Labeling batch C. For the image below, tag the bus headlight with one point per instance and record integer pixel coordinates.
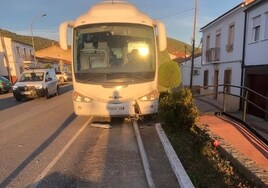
(150, 96)
(81, 98)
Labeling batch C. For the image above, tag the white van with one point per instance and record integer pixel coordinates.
(36, 83)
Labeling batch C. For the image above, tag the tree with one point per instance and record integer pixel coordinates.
(169, 75)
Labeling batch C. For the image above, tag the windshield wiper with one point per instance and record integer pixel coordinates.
(92, 77)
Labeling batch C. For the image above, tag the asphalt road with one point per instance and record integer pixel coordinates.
(44, 144)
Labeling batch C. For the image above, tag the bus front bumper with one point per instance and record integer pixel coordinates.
(122, 109)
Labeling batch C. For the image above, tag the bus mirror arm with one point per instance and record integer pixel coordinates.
(63, 30)
(162, 39)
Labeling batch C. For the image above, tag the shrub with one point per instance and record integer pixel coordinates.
(169, 75)
(178, 110)
(163, 57)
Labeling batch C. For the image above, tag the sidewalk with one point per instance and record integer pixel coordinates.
(250, 155)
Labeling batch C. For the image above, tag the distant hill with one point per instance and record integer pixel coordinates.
(41, 43)
(176, 45)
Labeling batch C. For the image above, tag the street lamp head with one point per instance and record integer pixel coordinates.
(43, 15)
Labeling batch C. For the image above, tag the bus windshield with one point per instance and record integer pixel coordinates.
(114, 53)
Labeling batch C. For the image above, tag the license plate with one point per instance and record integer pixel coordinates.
(26, 93)
(116, 108)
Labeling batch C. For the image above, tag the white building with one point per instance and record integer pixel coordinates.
(222, 53)
(256, 53)
(185, 68)
(15, 54)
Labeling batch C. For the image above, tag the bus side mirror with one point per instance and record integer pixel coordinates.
(162, 39)
(63, 32)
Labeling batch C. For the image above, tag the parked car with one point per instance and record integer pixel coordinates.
(63, 76)
(36, 83)
(5, 85)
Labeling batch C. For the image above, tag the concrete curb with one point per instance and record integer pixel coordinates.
(182, 176)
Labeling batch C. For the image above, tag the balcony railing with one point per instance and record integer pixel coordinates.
(213, 54)
(27, 58)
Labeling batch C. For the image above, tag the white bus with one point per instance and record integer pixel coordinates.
(115, 66)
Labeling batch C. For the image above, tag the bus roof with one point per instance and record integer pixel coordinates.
(113, 12)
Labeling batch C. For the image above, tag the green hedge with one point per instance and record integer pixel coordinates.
(178, 110)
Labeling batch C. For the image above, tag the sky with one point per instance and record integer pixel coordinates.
(177, 15)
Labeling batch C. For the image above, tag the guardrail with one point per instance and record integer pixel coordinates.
(244, 101)
(244, 97)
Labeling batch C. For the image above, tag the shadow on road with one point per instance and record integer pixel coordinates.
(38, 150)
(58, 179)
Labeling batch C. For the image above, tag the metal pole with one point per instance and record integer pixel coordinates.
(43, 15)
(224, 98)
(193, 47)
(245, 106)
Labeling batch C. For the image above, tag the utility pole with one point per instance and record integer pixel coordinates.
(6, 58)
(193, 44)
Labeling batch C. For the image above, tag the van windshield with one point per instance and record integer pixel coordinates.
(31, 77)
(121, 53)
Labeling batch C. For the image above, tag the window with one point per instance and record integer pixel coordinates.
(24, 50)
(208, 42)
(218, 39)
(21, 70)
(217, 46)
(231, 33)
(266, 26)
(208, 51)
(256, 28)
(18, 51)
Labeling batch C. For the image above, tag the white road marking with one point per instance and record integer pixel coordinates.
(59, 155)
(144, 157)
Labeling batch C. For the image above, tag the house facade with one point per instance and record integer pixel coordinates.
(256, 54)
(222, 54)
(14, 55)
(61, 58)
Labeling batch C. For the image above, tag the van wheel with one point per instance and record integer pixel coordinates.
(46, 94)
(18, 99)
(58, 91)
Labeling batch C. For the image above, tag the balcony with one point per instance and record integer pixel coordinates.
(27, 59)
(213, 54)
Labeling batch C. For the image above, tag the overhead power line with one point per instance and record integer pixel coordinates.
(173, 14)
